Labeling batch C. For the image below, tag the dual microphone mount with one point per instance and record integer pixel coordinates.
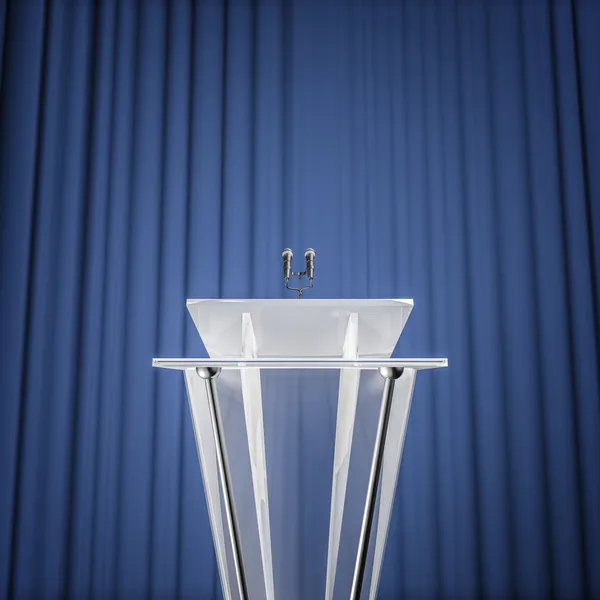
(309, 257)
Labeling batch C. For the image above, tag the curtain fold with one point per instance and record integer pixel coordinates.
(445, 151)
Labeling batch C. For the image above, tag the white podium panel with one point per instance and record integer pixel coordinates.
(300, 327)
(276, 425)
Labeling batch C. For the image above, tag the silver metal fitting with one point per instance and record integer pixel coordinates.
(208, 372)
(391, 372)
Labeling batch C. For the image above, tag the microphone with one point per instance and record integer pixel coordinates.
(309, 256)
(287, 263)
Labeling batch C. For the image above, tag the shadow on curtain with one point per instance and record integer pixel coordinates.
(442, 151)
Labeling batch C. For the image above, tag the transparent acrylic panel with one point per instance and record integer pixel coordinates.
(231, 404)
(300, 414)
(299, 327)
(253, 411)
(400, 411)
(198, 401)
(344, 430)
(363, 442)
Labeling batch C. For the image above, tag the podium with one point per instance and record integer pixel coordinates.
(300, 417)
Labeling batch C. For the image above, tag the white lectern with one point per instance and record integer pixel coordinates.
(326, 362)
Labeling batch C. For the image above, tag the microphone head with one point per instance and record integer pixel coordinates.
(309, 256)
(287, 263)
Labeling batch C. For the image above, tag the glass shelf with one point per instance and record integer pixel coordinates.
(300, 363)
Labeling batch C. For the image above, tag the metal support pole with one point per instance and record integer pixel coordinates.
(390, 374)
(209, 374)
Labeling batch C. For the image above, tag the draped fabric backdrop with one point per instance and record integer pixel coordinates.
(444, 151)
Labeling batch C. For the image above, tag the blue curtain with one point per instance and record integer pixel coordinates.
(446, 151)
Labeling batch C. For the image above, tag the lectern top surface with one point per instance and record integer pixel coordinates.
(301, 302)
(305, 363)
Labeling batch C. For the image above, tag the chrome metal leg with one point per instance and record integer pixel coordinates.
(390, 374)
(209, 374)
